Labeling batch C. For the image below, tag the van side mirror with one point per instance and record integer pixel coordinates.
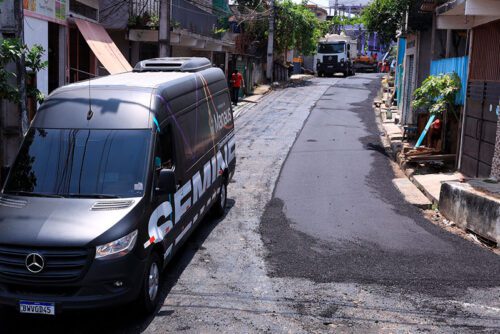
(166, 182)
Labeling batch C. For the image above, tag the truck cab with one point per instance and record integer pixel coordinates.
(335, 53)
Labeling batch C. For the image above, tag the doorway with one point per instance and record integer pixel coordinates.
(81, 59)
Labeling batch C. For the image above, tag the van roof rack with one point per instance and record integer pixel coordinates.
(173, 64)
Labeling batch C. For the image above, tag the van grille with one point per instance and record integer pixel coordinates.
(111, 205)
(12, 202)
(61, 264)
(43, 291)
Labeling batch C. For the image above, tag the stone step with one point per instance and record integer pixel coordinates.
(411, 193)
(430, 184)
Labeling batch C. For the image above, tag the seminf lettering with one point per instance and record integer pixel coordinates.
(190, 193)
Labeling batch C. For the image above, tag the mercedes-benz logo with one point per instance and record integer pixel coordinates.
(34, 263)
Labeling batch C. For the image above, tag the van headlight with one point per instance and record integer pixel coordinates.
(117, 248)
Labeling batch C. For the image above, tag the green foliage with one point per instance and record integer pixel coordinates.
(297, 28)
(437, 93)
(342, 21)
(386, 17)
(11, 50)
(249, 3)
(154, 22)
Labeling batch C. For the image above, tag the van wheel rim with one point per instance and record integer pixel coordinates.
(153, 281)
(223, 197)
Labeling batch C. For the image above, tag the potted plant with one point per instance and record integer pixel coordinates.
(437, 95)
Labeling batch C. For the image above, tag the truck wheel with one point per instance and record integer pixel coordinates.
(219, 207)
(150, 291)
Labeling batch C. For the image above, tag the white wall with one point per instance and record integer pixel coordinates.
(37, 32)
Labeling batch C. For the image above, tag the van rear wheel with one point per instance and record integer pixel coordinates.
(219, 207)
(150, 291)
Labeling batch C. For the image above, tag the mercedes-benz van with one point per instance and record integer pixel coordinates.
(111, 178)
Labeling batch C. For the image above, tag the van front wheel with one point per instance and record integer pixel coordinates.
(219, 207)
(150, 291)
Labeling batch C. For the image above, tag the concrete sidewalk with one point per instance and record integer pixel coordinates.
(474, 205)
(430, 184)
(258, 93)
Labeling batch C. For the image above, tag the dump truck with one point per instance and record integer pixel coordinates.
(335, 54)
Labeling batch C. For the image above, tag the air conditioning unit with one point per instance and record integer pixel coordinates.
(172, 64)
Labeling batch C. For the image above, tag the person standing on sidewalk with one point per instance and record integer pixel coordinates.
(236, 84)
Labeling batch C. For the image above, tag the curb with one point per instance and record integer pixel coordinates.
(247, 105)
(388, 143)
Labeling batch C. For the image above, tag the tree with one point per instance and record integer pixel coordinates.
(337, 23)
(386, 17)
(437, 93)
(12, 51)
(297, 28)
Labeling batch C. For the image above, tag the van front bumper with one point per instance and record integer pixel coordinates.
(106, 283)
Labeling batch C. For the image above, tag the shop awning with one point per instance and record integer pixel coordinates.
(103, 47)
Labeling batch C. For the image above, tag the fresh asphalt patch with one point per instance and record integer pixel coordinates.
(336, 217)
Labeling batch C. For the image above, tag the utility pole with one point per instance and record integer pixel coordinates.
(335, 13)
(270, 45)
(21, 68)
(165, 50)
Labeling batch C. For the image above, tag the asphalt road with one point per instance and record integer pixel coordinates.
(336, 217)
(315, 239)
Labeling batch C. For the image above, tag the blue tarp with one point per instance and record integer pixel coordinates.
(399, 69)
(450, 65)
(401, 50)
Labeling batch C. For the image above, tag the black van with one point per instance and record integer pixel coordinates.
(110, 180)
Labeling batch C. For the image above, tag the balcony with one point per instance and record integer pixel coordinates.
(144, 14)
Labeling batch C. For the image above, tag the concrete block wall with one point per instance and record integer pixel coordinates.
(495, 167)
(471, 210)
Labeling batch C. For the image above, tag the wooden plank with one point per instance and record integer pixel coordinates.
(432, 157)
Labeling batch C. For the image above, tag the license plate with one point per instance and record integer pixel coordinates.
(331, 66)
(37, 308)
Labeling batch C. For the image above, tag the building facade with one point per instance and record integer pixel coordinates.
(197, 29)
(461, 39)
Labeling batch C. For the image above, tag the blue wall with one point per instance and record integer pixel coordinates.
(450, 65)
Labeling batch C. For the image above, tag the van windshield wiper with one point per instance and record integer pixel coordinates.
(32, 194)
(77, 195)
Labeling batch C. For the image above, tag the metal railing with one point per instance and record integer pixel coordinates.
(185, 15)
(140, 7)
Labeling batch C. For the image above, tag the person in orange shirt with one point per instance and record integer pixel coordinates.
(236, 83)
(434, 135)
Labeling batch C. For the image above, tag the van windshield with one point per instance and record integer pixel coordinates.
(331, 48)
(81, 163)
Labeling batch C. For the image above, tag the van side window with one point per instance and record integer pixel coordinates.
(187, 130)
(166, 148)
